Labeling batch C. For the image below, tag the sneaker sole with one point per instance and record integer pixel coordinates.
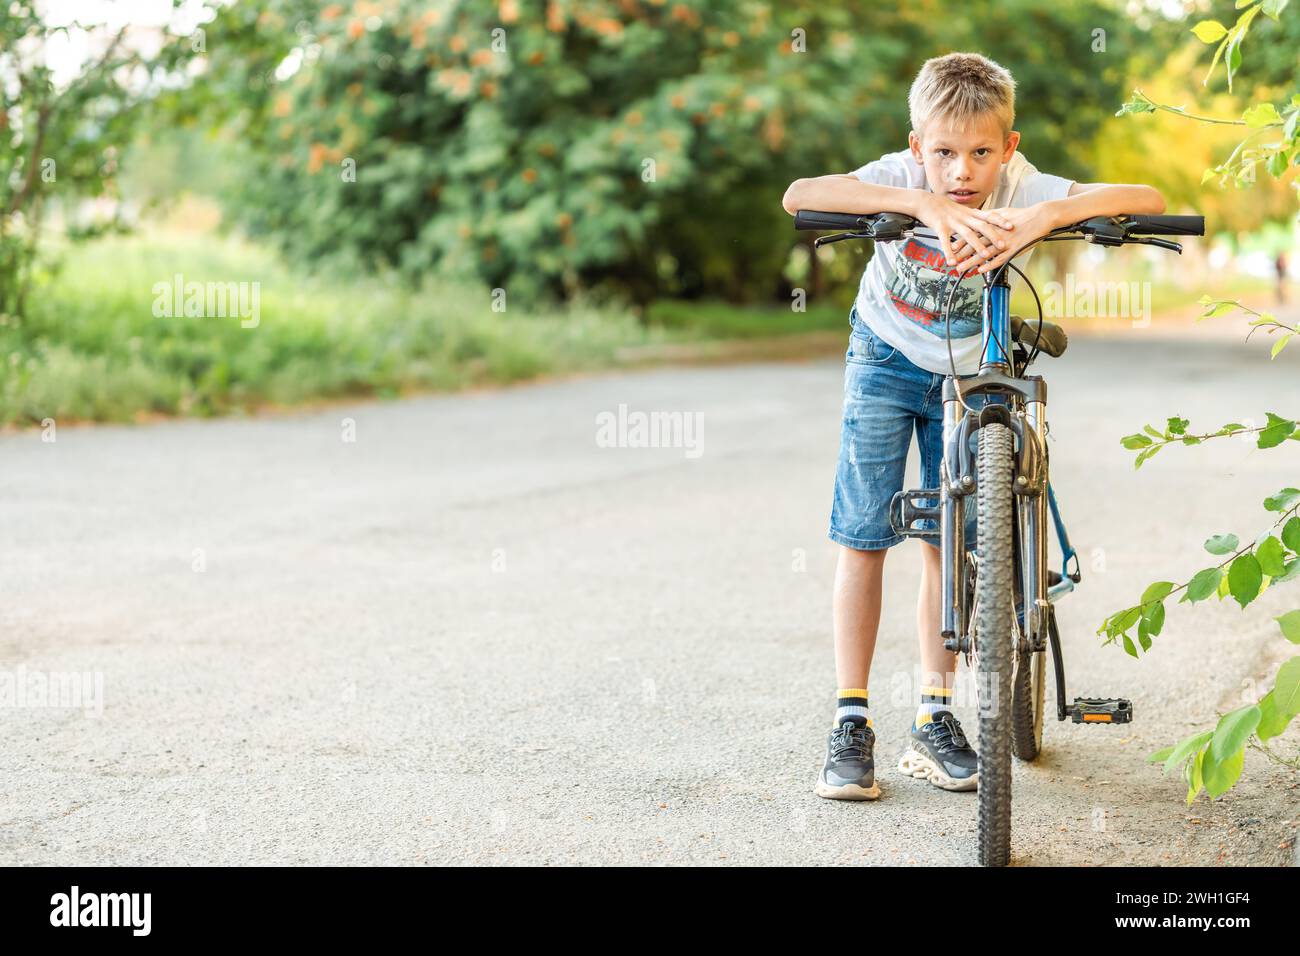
(849, 791)
(916, 764)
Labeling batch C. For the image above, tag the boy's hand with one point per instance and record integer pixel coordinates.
(980, 233)
(1025, 225)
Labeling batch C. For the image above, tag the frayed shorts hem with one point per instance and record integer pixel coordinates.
(863, 544)
(878, 544)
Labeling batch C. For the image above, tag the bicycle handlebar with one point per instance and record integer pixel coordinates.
(1164, 225)
(1104, 230)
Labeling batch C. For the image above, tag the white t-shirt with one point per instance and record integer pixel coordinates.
(905, 284)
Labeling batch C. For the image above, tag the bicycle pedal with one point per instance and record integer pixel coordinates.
(904, 510)
(1101, 710)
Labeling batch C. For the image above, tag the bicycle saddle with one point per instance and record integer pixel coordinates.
(1052, 342)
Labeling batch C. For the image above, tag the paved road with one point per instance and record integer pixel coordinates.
(473, 635)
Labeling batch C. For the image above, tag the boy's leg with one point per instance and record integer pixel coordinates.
(849, 770)
(855, 608)
(882, 394)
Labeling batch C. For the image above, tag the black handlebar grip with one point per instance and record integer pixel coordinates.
(811, 219)
(1166, 225)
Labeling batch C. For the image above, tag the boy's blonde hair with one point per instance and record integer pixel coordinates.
(960, 87)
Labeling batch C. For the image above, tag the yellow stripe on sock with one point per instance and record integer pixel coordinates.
(851, 692)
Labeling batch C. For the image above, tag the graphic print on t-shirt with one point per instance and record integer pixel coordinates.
(921, 285)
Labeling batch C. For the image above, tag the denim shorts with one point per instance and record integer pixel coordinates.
(886, 399)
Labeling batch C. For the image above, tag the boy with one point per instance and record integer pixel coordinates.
(962, 177)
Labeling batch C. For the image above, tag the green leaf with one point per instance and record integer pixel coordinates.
(1125, 619)
(1222, 544)
(1154, 618)
(1129, 649)
(1286, 689)
(1271, 720)
(1137, 103)
(1219, 310)
(1160, 755)
(1261, 115)
(1158, 436)
(1144, 454)
(1177, 426)
(1277, 431)
(1272, 8)
(1283, 500)
(1185, 748)
(1290, 624)
(1135, 441)
(1202, 585)
(1220, 775)
(1233, 59)
(1232, 731)
(1280, 344)
(1271, 557)
(1244, 578)
(1291, 533)
(1210, 31)
(1222, 590)
(1157, 591)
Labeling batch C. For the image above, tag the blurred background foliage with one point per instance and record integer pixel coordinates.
(617, 157)
(625, 146)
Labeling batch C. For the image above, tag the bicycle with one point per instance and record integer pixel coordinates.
(998, 453)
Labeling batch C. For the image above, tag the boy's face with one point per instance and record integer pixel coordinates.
(963, 165)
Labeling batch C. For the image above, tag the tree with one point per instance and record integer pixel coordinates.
(61, 129)
(631, 147)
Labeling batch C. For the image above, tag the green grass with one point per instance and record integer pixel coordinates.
(722, 320)
(91, 347)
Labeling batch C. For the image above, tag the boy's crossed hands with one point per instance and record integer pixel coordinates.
(989, 237)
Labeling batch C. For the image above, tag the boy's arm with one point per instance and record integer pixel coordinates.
(1087, 200)
(847, 193)
(1084, 201)
(974, 228)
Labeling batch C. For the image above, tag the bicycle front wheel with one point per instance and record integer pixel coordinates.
(994, 629)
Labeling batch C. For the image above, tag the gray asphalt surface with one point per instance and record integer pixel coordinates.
(472, 635)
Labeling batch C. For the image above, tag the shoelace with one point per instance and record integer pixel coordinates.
(947, 734)
(852, 741)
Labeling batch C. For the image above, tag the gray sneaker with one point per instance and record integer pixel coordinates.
(940, 753)
(850, 769)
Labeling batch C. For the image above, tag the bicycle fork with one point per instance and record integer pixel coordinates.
(958, 481)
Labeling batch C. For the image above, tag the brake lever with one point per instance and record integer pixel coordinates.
(1162, 243)
(840, 237)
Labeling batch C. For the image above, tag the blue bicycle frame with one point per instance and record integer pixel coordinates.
(1019, 403)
